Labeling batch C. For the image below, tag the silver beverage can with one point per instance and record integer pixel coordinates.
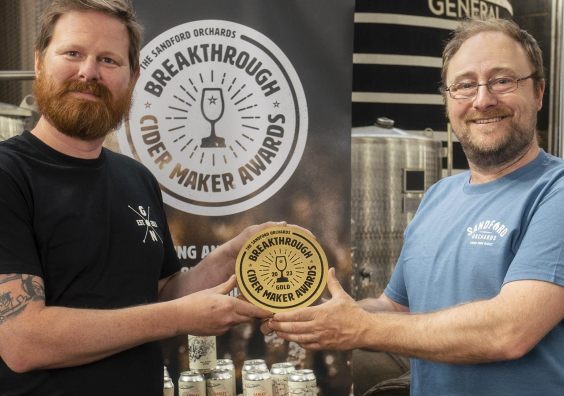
(218, 383)
(168, 387)
(252, 364)
(279, 373)
(202, 355)
(191, 383)
(302, 383)
(257, 383)
(227, 364)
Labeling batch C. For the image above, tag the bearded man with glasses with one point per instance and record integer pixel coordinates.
(477, 297)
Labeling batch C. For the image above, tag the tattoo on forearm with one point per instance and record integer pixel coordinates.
(16, 291)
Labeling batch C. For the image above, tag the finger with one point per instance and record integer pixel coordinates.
(313, 346)
(265, 327)
(297, 315)
(299, 338)
(334, 285)
(225, 287)
(293, 327)
(249, 310)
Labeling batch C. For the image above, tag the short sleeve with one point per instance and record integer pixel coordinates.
(396, 289)
(171, 263)
(18, 248)
(540, 255)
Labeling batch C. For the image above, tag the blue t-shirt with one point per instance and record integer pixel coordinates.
(465, 242)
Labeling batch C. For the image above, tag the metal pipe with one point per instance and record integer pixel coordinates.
(556, 81)
(449, 150)
(6, 75)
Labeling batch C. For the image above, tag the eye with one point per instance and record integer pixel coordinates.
(465, 85)
(72, 54)
(502, 81)
(108, 61)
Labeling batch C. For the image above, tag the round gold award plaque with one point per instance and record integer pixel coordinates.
(281, 268)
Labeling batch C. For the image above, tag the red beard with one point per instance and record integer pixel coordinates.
(81, 118)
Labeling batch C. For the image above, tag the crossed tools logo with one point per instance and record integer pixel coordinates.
(144, 220)
(219, 116)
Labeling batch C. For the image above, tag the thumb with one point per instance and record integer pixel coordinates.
(225, 287)
(333, 284)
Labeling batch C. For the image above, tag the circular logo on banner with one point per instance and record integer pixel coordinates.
(281, 268)
(219, 117)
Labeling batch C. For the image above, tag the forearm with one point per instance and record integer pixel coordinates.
(214, 269)
(203, 276)
(381, 304)
(473, 333)
(52, 337)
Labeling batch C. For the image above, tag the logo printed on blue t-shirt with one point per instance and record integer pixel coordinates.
(486, 232)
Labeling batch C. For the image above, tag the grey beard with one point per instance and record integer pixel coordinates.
(508, 151)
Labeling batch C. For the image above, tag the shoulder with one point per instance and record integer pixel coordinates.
(122, 161)
(549, 174)
(124, 166)
(446, 186)
(552, 166)
(15, 153)
(13, 147)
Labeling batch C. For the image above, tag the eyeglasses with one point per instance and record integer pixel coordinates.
(469, 89)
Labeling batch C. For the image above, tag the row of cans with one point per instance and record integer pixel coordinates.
(282, 380)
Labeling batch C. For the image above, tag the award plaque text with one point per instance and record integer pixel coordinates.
(281, 268)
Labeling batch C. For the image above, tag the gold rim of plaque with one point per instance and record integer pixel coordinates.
(281, 268)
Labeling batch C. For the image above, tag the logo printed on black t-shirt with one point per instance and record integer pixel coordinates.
(145, 221)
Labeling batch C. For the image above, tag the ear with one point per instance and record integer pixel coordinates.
(135, 75)
(540, 93)
(38, 63)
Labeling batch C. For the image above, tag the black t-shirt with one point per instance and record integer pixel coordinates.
(95, 231)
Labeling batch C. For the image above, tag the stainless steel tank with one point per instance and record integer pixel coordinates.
(390, 169)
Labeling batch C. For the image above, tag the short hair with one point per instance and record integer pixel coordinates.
(120, 9)
(471, 27)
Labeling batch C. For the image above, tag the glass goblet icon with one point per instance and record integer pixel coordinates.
(281, 265)
(212, 106)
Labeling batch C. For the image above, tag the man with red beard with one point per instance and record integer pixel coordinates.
(477, 296)
(85, 250)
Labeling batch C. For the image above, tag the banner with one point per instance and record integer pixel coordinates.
(242, 112)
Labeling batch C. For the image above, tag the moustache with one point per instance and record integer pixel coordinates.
(89, 87)
(493, 113)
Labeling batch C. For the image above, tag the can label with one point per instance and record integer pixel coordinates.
(258, 388)
(193, 389)
(227, 364)
(302, 388)
(279, 384)
(279, 373)
(219, 388)
(202, 353)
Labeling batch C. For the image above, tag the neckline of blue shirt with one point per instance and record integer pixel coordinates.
(509, 178)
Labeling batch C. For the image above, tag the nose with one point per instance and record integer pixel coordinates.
(89, 70)
(484, 98)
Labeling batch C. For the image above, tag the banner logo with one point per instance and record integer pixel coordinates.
(219, 117)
